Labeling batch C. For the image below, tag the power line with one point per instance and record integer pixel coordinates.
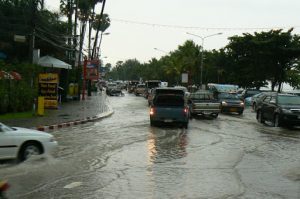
(54, 44)
(155, 25)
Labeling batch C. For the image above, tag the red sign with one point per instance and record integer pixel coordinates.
(92, 72)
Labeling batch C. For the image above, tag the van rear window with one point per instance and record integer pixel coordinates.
(169, 100)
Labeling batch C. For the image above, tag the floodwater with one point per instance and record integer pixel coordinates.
(123, 157)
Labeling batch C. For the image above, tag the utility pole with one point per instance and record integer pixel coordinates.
(34, 4)
(98, 27)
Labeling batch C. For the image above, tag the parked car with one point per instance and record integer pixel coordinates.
(249, 93)
(280, 109)
(21, 143)
(203, 103)
(256, 99)
(140, 89)
(169, 108)
(230, 102)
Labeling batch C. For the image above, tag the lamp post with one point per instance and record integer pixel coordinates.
(160, 50)
(202, 49)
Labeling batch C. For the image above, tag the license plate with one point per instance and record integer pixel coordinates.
(168, 121)
(232, 109)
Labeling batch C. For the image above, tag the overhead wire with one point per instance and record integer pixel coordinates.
(53, 43)
(200, 28)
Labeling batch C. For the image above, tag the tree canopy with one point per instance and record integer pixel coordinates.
(249, 60)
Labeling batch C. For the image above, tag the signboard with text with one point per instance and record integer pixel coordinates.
(48, 88)
(92, 70)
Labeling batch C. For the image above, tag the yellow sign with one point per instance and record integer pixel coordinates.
(48, 88)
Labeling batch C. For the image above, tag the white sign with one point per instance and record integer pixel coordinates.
(184, 78)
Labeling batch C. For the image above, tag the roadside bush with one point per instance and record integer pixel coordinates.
(4, 102)
(18, 95)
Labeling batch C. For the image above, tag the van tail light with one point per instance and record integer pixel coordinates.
(185, 111)
(152, 111)
(3, 186)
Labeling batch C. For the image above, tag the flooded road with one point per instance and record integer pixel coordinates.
(123, 157)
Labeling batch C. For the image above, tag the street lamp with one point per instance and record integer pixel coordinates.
(98, 49)
(202, 49)
(160, 50)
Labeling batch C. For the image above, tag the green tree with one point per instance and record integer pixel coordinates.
(263, 56)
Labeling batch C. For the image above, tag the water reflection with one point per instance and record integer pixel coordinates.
(166, 144)
(267, 129)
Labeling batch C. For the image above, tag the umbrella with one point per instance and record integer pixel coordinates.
(48, 61)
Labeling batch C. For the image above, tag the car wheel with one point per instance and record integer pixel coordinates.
(29, 149)
(151, 123)
(215, 115)
(276, 121)
(260, 117)
(186, 125)
(240, 112)
(254, 106)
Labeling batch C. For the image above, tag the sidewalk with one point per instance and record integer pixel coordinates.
(68, 113)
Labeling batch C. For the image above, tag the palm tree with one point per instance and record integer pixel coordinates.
(98, 27)
(105, 23)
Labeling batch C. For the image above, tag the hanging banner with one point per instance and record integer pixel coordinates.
(48, 88)
(92, 70)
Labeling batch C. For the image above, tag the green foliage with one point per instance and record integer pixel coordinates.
(250, 61)
(105, 22)
(263, 56)
(18, 95)
(20, 18)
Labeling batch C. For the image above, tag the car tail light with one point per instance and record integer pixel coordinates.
(185, 111)
(4, 186)
(152, 111)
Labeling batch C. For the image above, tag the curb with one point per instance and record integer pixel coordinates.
(76, 122)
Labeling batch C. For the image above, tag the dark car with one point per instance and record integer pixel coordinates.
(280, 109)
(256, 100)
(169, 108)
(231, 103)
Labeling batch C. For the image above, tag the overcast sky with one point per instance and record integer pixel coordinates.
(231, 17)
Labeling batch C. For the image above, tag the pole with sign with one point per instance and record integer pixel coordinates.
(84, 78)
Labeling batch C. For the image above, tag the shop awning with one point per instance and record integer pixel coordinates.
(48, 61)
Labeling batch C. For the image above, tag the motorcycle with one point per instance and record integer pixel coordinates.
(3, 188)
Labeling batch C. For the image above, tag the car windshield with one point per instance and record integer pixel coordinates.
(169, 100)
(170, 91)
(5, 128)
(289, 99)
(227, 96)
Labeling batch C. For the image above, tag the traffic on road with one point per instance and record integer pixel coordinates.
(123, 156)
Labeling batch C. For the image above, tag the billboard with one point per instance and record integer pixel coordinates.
(92, 70)
(48, 88)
